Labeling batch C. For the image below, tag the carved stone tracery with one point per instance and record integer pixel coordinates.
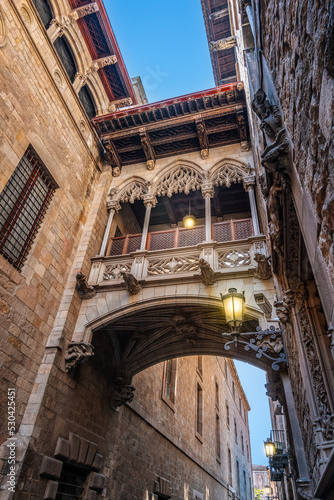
(180, 179)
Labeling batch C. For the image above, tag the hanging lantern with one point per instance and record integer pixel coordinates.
(269, 448)
(234, 308)
(189, 220)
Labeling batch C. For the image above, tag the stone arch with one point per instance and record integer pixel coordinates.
(228, 171)
(186, 326)
(97, 91)
(179, 176)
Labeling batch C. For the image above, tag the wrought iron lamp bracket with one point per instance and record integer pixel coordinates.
(272, 337)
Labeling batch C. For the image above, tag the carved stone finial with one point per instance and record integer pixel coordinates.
(207, 274)
(132, 284)
(85, 291)
(76, 353)
(263, 270)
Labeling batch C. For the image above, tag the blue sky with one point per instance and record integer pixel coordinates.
(165, 44)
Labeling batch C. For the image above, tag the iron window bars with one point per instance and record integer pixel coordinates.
(23, 204)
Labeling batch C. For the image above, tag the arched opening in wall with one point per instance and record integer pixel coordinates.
(66, 56)
(227, 219)
(87, 101)
(186, 411)
(44, 10)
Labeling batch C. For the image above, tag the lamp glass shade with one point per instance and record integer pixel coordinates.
(234, 307)
(189, 221)
(269, 448)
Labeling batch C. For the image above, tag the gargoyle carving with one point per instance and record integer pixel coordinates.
(85, 291)
(274, 390)
(132, 284)
(283, 307)
(263, 270)
(123, 394)
(76, 353)
(207, 274)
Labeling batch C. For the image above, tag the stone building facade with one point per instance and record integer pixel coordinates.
(101, 277)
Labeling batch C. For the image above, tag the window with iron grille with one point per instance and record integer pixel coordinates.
(71, 482)
(23, 204)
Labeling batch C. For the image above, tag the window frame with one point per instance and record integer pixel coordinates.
(20, 219)
(169, 400)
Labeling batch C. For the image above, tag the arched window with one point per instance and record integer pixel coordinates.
(65, 54)
(44, 11)
(87, 101)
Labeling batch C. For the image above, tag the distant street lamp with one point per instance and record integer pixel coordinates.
(269, 447)
(267, 490)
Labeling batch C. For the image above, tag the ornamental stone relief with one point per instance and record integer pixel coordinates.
(229, 174)
(173, 265)
(181, 178)
(114, 271)
(234, 258)
(178, 180)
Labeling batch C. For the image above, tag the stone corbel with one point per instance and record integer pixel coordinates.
(85, 291)
(219, 15)
(149, 199)
(263, 304)
(80, 12)
(223, 44)
(123, 392)
(207, 274)
(274, 390)
(102, 62)
(148, 148)
(114, 159)
(202, 138)
(76, 353)
(57, 27)
(120, 103)
(242, 129)
(132, 284)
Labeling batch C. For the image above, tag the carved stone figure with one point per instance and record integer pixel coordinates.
(187, 330)
(263, 270)
(85, 291)
(116, 172)
(132, 284)
(207, 274)
(77, 352)
(274, 390)
(123, 394)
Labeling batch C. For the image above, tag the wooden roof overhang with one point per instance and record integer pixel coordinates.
(193, 122)
(218, 27)
(101, 42)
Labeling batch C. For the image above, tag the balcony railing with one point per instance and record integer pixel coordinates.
(232, 230)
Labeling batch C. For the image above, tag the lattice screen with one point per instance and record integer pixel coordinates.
(161, 241)
(134, 243)
(243, 229)
(190, 237)
(117, 246)
(222, 232)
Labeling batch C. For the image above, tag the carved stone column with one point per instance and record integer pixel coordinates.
(249, 185)
(208, 193)
(113, 206)
(149, 202)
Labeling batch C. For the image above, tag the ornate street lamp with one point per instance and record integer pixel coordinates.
(269, 448)
(234, 304)
(234, 309)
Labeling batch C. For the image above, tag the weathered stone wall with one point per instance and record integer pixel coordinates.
(146, 439)
(301, 64)
(35, 111)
